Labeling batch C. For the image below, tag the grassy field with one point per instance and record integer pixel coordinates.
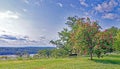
(108, 62)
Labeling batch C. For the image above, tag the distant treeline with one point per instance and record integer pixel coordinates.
(14, 50)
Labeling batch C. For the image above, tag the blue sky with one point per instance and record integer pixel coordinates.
(36, 22)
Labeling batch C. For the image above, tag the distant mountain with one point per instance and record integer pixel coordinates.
(14, 50)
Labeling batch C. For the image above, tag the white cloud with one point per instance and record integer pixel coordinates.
(38, 2)
(118, 9)
(34, 2)
(10, 39)
(86, 13)
(9, 22)
(106, 6)
(118, 0)
(73, 6)
(9, 15)
(110, 16)
(26, 1)
(82, 2)
(25, 10)
(60, 4)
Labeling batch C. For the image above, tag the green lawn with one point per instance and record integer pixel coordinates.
(108, 62)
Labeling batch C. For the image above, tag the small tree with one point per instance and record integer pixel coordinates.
(117, 42)
(104, 42)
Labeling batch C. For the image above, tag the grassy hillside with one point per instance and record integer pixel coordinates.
(109, 62)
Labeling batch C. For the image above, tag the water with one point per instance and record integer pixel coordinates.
(16, 55)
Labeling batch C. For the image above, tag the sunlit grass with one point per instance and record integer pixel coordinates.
(108, 62)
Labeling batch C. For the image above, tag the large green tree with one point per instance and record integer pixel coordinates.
(79, 37)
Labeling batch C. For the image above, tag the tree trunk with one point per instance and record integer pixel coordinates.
(91, 56)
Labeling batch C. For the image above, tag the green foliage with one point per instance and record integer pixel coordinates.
(117, 42)
(113, 31)
(59, 53)
(44, 53)
(104, 42)
(90, 29)
(98, 52)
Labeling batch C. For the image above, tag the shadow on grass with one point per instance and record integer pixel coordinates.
(107, 61)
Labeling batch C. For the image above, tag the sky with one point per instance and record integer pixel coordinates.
(36, 22)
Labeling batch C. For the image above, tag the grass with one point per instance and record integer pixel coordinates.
(108, 62)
